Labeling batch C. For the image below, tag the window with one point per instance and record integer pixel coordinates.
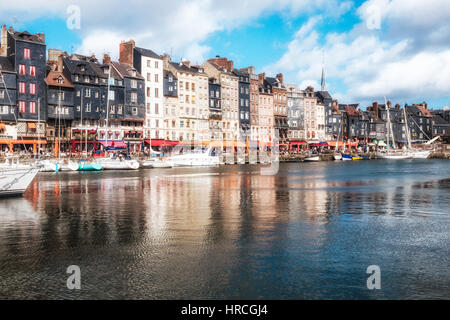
(148, 92)
(119, 109)
(112, 95)
(134, 97)
(156, 93)
(27, 53)
(193, 87)
(22, 69)
(187, 85)
(156, 64)
(33, 88)
(156, 108)
(2, 94)
(4, 109)
(22, 87)
(149, 77)
(32, 107)
(88, 107)
(148, 64)
(87, 93)
(156, 78)
(112, 109)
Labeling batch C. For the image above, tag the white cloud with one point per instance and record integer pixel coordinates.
(176, 26)
(370, 63)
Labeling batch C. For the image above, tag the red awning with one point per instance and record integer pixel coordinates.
(115, 144)
(298, 142)
(155, 142)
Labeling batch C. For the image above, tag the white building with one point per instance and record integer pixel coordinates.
(150, 66)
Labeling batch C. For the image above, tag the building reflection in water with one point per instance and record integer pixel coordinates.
(226, 225)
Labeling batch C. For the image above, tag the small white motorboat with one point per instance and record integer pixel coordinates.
(312, 159)
(157, 163)
(119, 164)
(195, 159)
(337, 156)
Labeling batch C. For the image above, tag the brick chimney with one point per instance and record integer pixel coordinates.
(126, 52)
(166, 60)
(223, 62)
(60, 67)
(280, 77)
(4, 41)
(261, 78)
(375, 108)
(41, 36)
(187, 63)
(106, 59)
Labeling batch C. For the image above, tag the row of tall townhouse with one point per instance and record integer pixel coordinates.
(61, 103)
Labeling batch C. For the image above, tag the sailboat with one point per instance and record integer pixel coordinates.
(415, 153)
(394, 154)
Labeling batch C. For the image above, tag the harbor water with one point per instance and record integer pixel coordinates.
(308, 232)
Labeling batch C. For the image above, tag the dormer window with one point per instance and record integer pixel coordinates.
(59, 80)
(82, 68)
(133, 73)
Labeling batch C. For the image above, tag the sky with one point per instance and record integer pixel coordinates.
(398, 49)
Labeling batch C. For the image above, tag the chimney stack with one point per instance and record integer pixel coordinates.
(375, 108)
(60, 63)
(41, 36)
(126, 52)
(187, 63)
(280, 77)
(4, 41)
(261, 78)
(166, 60)
(106, 59)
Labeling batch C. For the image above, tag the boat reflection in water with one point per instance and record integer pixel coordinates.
(310, 231)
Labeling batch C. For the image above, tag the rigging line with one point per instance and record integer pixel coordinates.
(418, 125)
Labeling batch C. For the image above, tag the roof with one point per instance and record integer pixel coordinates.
(323, 94)
(26, 36)
(76, 67)
(220, 68)
(418, 111)
(351, 110)
(125, 70)
(168, 73)
(5, 65)
(439, 120)
(52, 80)
(148, 53)
(181, 67)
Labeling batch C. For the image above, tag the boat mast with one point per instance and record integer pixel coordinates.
(107, 105)
(59, 124)
(39, 128)
(407, 128)
(82, 107)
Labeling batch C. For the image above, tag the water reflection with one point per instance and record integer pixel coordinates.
(223, 233)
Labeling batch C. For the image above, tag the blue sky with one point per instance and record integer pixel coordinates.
(405, 57)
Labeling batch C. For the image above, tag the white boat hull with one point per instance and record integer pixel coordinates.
(110, 164)
(394, 156)
(420, 154)
(15, 180)
(338, 157)
(312, 159)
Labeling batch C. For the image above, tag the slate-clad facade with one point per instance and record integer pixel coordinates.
(244, 101)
